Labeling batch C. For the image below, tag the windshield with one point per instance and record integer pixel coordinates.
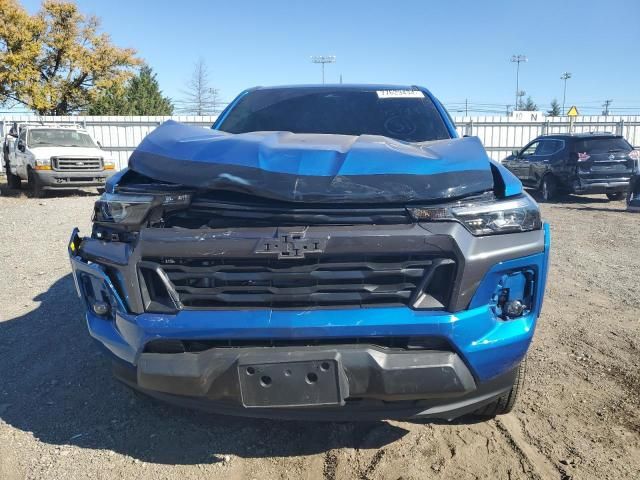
(59, 138)
(406, 115)
(603, 145)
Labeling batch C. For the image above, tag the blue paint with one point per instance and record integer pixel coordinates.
(310, 154)
(512, 184)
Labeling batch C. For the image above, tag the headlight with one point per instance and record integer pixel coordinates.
(520, 214)
(42, 164)
(131, 209)
(122, 209)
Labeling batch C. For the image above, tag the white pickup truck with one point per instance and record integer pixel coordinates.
(54, 157)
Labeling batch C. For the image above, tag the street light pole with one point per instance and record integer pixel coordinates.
(565, 76)
(518, 59)
(322, 60)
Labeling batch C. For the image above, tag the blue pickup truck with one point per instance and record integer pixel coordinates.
(323, 252)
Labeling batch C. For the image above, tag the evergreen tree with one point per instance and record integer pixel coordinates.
(529, 105)
(141, 95)
(555, 109)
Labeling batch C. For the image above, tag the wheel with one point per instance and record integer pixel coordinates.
(35, 184)
(13, 181)
(615, 196)
(505, 403)
(548, 188)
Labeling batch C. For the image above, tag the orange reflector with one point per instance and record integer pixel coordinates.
(42, 167)
(109, 167)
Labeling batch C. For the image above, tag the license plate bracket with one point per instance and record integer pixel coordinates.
(290, 384)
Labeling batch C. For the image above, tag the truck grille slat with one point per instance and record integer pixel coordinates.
(76, 163)
(260, 281)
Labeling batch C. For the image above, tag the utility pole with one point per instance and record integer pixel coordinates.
(518, 59)
(565, 76)
(322, 60)
(508, 111)
(519, 96)
(606, 107)
(466, 107)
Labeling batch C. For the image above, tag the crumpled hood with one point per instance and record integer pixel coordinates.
(314, 168)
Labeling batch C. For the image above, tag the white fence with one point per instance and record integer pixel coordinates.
(500, 135)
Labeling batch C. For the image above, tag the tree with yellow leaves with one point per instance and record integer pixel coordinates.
(56, 62)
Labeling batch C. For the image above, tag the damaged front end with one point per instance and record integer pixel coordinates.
(409, 287)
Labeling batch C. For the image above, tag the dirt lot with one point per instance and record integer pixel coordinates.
(63, 417)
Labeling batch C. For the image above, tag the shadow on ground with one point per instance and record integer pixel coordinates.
(57, 385)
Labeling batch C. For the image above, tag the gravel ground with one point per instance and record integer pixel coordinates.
(62, 416)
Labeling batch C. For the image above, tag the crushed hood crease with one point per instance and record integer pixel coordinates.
(314, 168)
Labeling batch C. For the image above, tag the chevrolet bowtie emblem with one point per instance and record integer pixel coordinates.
(291, 245)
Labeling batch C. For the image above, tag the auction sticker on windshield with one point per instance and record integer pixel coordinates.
(400, 94)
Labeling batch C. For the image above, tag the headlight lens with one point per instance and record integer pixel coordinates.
(520, 214)
(122, 209)
(42, 164)
(132, 209)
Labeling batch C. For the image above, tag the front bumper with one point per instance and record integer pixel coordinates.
(60, 180)
(477, 365)
(601, 185)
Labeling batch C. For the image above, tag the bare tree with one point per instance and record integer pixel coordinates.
(199, 98)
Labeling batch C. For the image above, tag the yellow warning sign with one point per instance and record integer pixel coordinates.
(573, 112)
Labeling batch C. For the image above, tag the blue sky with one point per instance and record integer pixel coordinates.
(457, 49)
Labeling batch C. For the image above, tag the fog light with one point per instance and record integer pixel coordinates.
(100, 308)
(514, 308)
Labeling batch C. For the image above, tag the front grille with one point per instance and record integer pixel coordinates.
(76, 164)
(323, 281)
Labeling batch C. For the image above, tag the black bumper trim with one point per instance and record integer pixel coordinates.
(444, 405)
(370, 372)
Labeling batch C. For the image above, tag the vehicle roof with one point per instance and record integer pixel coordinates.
(564, 136)
(372, 87)
(32, 126)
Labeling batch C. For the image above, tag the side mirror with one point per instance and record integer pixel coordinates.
(21, 145)
(515, 153)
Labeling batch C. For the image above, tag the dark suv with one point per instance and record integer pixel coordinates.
(575, 163)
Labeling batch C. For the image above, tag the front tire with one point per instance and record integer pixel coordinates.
(13, 181)
(505, 404)
(615, 196)
(35, 185)
(548, 188)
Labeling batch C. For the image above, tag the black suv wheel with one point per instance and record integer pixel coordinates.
(506, 403)
(615, 196)
(548, 188)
